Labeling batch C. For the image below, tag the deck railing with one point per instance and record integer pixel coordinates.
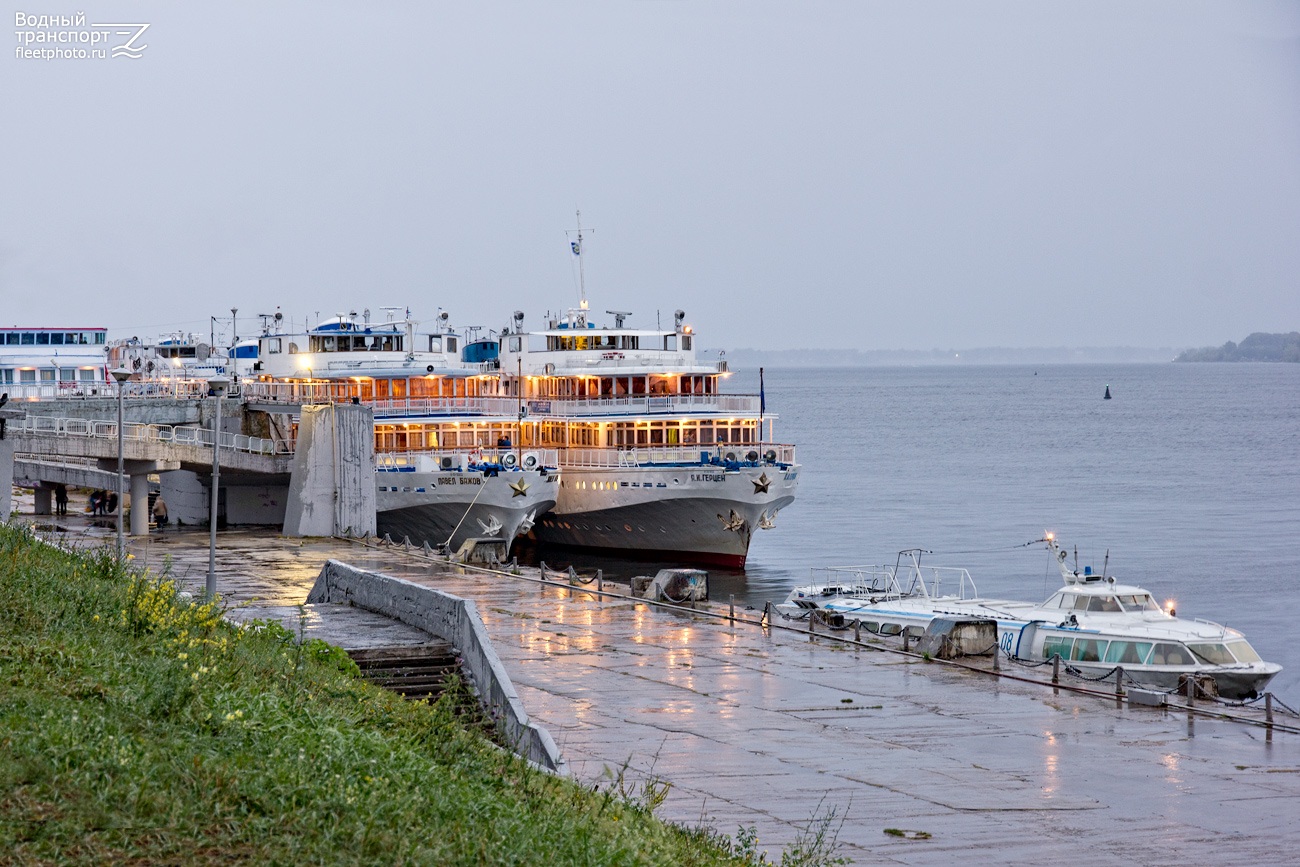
(762, 453)
(344, 391)
(515, 457)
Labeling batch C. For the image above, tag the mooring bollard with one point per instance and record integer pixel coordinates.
(812, 622)
(1268, 709)
(1056, 668)
(731, 608)
(1119, 685)
(1191, 690)
(600, 580)
(767, 614)
(997, 661)
(857, 630)
(907, 640)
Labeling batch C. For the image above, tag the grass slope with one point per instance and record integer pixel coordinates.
(136, 729)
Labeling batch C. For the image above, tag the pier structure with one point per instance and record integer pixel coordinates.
(319, 482)
(913, 761)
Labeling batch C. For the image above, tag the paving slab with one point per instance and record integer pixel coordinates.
(771, 729)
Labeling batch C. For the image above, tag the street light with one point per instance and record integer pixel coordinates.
(121, 375)
(217, 386)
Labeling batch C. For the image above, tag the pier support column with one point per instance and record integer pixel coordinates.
(332, 488)
(44, 498)
(140, 505)
(7, 416)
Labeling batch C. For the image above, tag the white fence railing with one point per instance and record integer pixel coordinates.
(734, 453)
(160, 388)
(344, 391)
(190, 436)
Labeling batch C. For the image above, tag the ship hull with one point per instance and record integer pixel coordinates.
(446, 508)
(690, 514)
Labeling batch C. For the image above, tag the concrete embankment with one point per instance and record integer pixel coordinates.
(768, 728)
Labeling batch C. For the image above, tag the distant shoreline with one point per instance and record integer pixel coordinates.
(894, 358)
(1259, 346)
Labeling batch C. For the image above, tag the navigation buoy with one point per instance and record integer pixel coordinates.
(1107, 397)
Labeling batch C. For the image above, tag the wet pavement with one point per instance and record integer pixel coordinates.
(771, 729)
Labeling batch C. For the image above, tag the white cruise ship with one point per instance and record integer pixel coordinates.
(447, 468)
(655, 459)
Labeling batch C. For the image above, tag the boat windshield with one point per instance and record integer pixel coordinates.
(1243, 651)
(1107, 604)
(1139, 602)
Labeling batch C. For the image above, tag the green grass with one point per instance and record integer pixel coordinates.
(137, 729)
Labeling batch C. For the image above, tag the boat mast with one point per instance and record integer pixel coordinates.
(576, 246)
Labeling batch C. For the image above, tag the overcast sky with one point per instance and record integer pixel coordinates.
(794, 174)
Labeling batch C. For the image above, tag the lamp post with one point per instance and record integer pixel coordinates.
(217, 386)
(120, 375)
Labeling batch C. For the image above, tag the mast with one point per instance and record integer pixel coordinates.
(576, 246)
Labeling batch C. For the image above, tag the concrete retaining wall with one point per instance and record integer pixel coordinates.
(451, 619)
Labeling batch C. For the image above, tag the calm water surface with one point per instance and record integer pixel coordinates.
(1189, 476)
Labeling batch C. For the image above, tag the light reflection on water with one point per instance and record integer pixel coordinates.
(1189, 477)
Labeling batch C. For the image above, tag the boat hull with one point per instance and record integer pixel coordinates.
(691, 514)
(447, 507)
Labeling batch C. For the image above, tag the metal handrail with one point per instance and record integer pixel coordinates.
(193, 436)
(397, 460)
(781, 454)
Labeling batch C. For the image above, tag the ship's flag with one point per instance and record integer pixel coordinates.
(762, 398)
(577, 250)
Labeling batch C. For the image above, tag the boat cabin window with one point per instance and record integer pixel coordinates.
(1214, 654)
(435, 344)
(1170, 654)
(1060, 600)
(1244, 652)
(273, 346)
(1128, 652)
(1088, 650)
(1057, 644)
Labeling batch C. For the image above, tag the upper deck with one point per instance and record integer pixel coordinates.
(574, 346)
(347, 347)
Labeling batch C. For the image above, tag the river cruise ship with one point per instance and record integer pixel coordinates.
(447, 468)
(656, 460)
